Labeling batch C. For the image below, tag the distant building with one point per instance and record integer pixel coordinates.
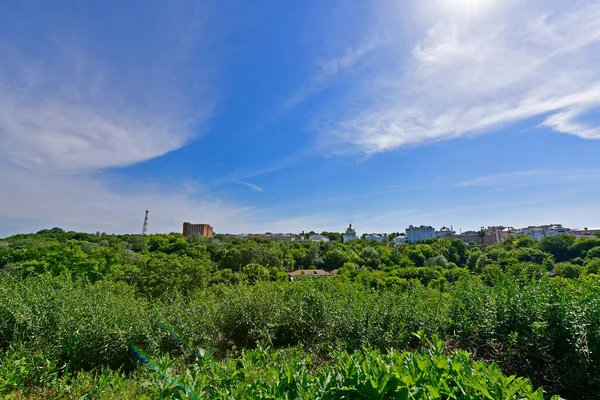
(444, 232)
(374, 238)
(308, 273)
(499, 233)
(585, 232)
(197, 229)
(418, 233)
(539, 232)
(474, 237)
(349, 235)
(493, 234)
(400, 239)
(286, 237)
(318, 238)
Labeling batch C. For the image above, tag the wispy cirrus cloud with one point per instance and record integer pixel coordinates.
(71, 107)
(531, 178)
(67, 104)
(251, 186)
(330, 67)
(473, 68)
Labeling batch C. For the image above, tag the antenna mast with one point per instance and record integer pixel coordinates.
(145, 227)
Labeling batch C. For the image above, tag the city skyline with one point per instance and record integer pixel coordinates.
(299, 116)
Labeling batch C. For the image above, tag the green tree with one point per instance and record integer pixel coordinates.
(593, 252)
(482, 234)
(559, 246)
(335, 259)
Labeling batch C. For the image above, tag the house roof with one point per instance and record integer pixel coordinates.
(309, 272)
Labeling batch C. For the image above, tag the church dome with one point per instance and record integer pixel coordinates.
(350, 229)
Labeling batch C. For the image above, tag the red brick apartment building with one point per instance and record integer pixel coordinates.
(197, 229)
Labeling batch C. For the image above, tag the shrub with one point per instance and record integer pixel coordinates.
(568, 270)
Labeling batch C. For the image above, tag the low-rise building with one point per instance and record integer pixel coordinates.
(318, 238)
(374, 238)
(499, 233)
(287, 237)
(400, 239)
(475, 237)
(308, 273)
(444, 232)
(489, 235)
(585, 231)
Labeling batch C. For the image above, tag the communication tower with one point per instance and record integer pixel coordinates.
(145, 227)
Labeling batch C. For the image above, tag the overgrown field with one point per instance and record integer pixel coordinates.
(397, 324)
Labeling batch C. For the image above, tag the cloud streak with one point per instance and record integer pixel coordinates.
(251, 186)
(472, 71)
(531, 178)
(331, 67)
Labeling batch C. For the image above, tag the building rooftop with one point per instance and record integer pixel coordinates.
(309, 272)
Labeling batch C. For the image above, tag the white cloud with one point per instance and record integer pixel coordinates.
(69, 136)
(71, 106)
(68, 103)
(473, 70)
(565, 122)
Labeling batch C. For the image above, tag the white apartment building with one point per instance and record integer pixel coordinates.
(537, 233)
(418, 233)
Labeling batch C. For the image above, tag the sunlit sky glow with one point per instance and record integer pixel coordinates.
(299, 116)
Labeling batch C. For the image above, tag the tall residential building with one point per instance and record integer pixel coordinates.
(418, 233)
(197, 229)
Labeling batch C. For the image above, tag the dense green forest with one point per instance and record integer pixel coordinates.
(112, 316)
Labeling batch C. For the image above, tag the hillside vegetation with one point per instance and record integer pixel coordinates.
(438, 319)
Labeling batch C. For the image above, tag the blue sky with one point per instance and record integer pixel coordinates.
(290, 116)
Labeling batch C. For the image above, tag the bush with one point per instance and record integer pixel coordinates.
(593, 252)
(85, 325)
(568, 270)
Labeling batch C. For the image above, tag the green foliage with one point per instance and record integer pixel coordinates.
(559, 246)
(366, 374)
(70, 303)
(432, 373)
(568, 270)
(592, 266)
(594, 252)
